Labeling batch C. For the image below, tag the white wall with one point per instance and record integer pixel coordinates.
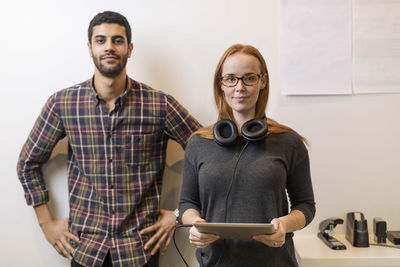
(354, 139)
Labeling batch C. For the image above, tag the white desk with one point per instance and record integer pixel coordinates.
(312, 252)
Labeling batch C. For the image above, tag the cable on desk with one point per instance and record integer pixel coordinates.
(385, 245)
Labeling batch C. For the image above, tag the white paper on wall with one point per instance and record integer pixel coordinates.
(376, 38)
(315, 47)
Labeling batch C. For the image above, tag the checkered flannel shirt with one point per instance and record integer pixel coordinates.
(115, 165)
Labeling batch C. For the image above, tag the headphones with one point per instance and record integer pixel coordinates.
(225, 131)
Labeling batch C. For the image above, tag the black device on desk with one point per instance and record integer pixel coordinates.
(357, 229)
(326, 233)
(379, 227)
(394, 237)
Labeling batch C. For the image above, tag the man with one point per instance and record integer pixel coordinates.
(117, 131)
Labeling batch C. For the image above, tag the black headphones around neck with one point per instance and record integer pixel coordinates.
(225, 131)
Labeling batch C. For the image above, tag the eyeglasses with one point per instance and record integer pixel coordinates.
(248, 79)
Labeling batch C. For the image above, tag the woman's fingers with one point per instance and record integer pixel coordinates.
(201, 240)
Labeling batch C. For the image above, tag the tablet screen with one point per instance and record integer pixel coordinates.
(235, 230)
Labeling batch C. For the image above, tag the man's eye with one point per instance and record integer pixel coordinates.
(99, 41)
(118, 40)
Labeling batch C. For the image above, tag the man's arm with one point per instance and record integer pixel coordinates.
(45, 134)
(179, 124)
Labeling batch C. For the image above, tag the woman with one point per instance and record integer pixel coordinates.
(242, 178)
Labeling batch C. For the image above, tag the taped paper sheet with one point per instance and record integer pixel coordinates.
(315, 47)
(376, 46)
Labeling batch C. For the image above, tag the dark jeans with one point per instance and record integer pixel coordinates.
(153, 262)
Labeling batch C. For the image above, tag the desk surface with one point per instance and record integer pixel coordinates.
(312, 252)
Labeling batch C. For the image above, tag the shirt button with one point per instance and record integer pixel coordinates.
(112, 186)
(110, 160)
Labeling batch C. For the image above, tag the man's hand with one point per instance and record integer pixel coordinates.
(56, 233)
(164, 228)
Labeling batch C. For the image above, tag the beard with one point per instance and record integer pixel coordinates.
(111, 71)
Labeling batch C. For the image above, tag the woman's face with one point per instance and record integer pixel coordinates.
(242, 98)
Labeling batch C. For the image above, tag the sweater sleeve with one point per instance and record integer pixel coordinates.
(299, 186)
(190, 195)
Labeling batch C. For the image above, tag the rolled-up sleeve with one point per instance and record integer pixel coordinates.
(46, 132)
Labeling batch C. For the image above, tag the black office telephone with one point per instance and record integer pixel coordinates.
(326, 233)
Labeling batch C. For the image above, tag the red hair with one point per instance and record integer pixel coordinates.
(225, 111)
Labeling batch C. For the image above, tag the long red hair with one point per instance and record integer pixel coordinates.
(225, 111)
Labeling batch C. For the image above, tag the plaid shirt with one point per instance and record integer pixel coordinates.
(115, 165)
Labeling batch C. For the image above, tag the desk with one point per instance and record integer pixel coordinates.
(312, 252)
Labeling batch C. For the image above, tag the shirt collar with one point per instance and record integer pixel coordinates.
(120, 100)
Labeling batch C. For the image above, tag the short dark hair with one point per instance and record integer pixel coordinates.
(110, 17)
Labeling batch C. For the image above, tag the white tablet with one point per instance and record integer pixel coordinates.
(235, 230)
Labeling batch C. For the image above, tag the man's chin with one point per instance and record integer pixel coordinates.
(110, 73)
(109, 70)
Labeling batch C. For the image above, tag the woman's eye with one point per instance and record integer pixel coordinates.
(251, 78)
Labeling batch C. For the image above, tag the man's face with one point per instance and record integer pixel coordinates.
(110, 49)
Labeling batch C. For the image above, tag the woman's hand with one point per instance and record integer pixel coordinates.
(200, 240)
(276, 239)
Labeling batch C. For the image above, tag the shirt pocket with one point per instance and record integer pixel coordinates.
(137, 149)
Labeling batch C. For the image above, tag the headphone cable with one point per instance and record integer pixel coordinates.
(227, 196)
(176, 246)
(233, 179)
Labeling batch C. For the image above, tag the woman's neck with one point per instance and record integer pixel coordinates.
(241, 118)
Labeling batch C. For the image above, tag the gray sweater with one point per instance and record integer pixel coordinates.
(247, 184)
